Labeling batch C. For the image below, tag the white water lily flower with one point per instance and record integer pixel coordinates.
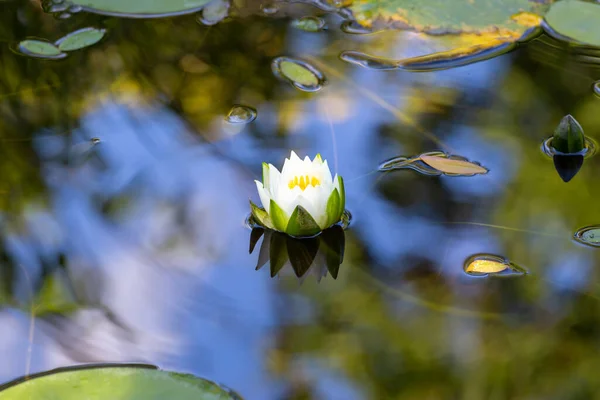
(301, 200)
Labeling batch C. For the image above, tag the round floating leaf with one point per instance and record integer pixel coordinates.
(141, 8)
(575, 20)
(590, 235)
(298, 74)
(79, 39)
(40, 48)
(502, 17)
(114, 382)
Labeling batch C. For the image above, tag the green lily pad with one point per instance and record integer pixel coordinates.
(80, 39)
(114, 382)
(141, 8)
(575, 20)
(457, 16)
(40, 49)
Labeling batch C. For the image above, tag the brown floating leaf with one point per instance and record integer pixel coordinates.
(453, 166)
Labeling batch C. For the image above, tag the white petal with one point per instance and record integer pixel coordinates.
(336, 184)
(294, 157)
(264, 196)
(325, 172)
(274, 180)
(286, 198)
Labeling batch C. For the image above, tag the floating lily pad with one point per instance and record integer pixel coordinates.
(490, 264)
(114, 382)
(40, 49)
(501, 17)
(299, 73)
(436, 163)
(453, 166)
(141, 8)
(80, 39)
(590, 235)
(575, 20)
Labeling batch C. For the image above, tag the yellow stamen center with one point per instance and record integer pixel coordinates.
(303, 182)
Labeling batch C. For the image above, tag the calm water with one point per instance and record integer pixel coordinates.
(123, 188)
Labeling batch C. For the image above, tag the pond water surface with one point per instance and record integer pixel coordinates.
(125, 173)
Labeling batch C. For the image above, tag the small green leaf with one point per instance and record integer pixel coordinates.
(568, 136)
(302, 224)
(299, 74)
(333, 208)
(80, 39)
(278, 217)
(278, 252)
(261, 216)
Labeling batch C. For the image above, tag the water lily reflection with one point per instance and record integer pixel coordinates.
(319, 255)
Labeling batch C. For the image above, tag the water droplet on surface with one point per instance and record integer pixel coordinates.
(435, 163)
(269, 9)
(491, 265)
(40, 49)
(596, 88)
(299, 73)
(366, 61)
(74, 9)
(64, 15)
(590, 236)
(241, 114)
(309, 24)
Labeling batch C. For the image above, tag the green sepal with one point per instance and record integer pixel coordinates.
(568, 136)
(265, 175)
(333, 208)
(261, 216)
(342, 195)
(278, 217)
(302, 224)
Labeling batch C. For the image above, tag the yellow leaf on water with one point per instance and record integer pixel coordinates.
(453, 166)
(486, 267)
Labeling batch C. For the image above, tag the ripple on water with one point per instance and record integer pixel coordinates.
(588, 151)
(491, 265)
(240, 114)
(300, 74)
